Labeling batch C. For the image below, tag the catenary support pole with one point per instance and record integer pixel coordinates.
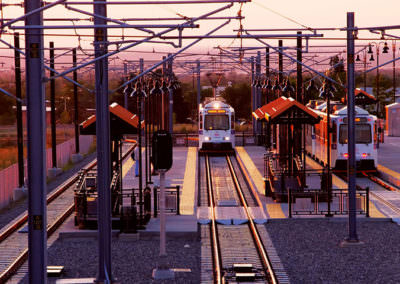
(20, 130)
(103, 146)
(170, 98)
(139, 107)
(351, 163)
(35, 93)
(280, 62)
(53, 109)
(198, 84)
(257, 91)
(125, 78)
(76, 103)
(253, 95)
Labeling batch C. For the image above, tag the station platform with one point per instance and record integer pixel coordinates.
(253, 159)
(388, 156)
(184, 174)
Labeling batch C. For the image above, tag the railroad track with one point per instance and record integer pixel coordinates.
(238, 253)
(14, 238)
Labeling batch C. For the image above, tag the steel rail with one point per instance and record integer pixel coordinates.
(19, 261)
(21, 221)
(254, 232)
(380, 182)
(214, 234)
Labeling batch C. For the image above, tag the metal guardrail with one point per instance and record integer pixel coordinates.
(308, 202)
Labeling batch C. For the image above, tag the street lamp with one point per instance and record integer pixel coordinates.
(326, 92)
(288, 88)
(385, 50)
(139, 93)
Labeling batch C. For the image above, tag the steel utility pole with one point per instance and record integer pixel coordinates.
(53, 109)
(170, 97)
(280, 62)
(253, 95)
(20, 130)
(76, 113)
(35, 93)
(257, 92)
(103, 145)
(351, 163)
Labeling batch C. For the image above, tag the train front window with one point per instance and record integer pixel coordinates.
(216, 122)
(363, 134)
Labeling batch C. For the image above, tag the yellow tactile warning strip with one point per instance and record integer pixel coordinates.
(274, 210)
(251, 169)
(373, 211)
(189, 183)
(388, 171)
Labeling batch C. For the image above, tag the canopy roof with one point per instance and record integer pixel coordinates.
(361, 97)
(286, 111)
(122, 121)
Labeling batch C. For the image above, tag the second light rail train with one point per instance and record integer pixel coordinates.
(365, 137)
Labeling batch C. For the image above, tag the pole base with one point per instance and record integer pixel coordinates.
(163, 274)
(351, 243)
(329, 215)
(19, 193)
(76, 158)
(53, 172)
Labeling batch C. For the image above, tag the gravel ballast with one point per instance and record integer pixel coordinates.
(132, 261)
(310, 251)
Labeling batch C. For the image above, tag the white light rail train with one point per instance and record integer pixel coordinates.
(216, 127)
(365, 136)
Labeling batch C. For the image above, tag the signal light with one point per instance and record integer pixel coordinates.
(364, 155)
(346, 155)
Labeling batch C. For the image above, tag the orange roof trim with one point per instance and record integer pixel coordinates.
(119, 111)
(279, 106)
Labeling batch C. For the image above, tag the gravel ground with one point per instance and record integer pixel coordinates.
(310, 251)
(133, 261)
(16, 208)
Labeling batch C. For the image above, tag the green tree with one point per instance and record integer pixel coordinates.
(239, 97)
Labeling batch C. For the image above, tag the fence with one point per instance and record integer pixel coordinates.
(9, 176)
(314, 202)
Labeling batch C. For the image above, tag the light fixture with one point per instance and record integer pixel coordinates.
(372, 58)
(385, 48)
(276, 86)
(156, 89)
(358, 58)
(369, 49)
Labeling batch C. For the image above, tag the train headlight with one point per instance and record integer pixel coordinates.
(206, 138)
(227, 138)
(364, 155)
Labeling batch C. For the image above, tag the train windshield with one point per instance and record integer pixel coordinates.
(216, 122)
(363, 134)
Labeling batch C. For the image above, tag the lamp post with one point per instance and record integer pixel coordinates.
(326, 92)
(139, 93)
(385, 50)
(365, 67)
(394, 69)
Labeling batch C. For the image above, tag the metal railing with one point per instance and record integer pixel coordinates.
(172, 202)
(314, 201)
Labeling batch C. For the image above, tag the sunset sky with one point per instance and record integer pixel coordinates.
(258, 14)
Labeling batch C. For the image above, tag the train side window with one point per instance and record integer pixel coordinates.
(233, 121)
(201, 121)
(334, 132)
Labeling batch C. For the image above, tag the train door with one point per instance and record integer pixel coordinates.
(334, 143)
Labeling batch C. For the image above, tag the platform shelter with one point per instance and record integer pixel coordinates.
(286, 116)
(122, 122)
